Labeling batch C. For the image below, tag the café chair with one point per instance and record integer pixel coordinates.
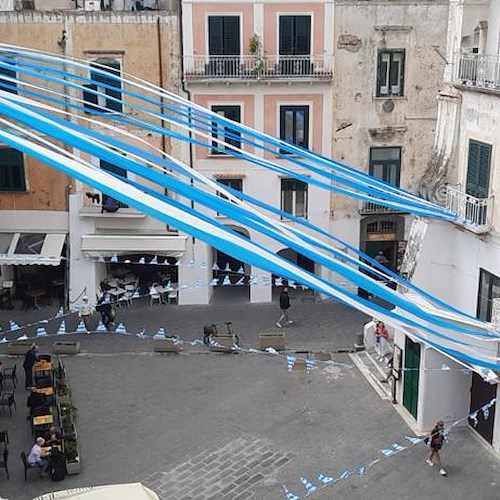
(154, 295)
(3, 463)
(10, 373)
(8, 400)
(28, 467)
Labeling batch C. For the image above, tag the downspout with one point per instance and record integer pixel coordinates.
(188, 94)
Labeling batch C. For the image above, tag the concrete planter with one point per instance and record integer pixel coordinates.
(73, 467)
(225, 343)
(274, 340)
(323, 356)
(165, 345)
(19, 348)
(67, 347)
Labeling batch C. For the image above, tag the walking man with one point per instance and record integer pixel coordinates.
(29, 361)
(85, 312)
(436, 440)
(284, 306)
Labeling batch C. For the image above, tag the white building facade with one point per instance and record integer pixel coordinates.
(460, 263)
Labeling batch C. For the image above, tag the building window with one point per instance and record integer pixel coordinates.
(294, 197)
(478, 169)
(489, 289)
(390, 73)
(295, 35)
(385, 164)
(5, 74)
(12, 176)
(294, 125)
(223, 133)
(224, 35)
(109, 85)
(115, 170)
(235, 184)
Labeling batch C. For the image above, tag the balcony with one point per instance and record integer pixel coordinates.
(369, 208)
(474, 213)
(251, 68)
(478, 71)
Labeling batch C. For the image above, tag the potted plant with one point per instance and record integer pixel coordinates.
(254, 47)
(72, 456)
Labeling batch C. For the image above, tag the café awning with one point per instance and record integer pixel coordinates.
(107, 245)
(25, 249)
(132, 491)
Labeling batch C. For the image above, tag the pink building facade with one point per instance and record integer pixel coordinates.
(269, 65)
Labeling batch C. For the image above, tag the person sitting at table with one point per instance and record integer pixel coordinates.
(35, 457)
(53, 436)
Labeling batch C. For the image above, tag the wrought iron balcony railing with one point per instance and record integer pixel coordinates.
(209, 67)
(368, 207)
(478, 70)
(474, 213)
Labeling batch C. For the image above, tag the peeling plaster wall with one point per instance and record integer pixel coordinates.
(359, 118)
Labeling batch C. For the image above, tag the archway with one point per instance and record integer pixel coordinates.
(232, 275)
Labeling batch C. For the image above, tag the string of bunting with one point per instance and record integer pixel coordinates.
(324, 480)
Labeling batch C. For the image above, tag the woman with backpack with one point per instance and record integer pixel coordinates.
(435, 441)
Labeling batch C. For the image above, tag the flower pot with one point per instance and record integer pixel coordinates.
(165, 345)
(274, 340)
(67, 347)
(19, 348)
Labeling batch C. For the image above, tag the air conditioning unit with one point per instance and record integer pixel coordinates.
(92, 5)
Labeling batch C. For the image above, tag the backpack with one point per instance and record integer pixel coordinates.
(58, 469)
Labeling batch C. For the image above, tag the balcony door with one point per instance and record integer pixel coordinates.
(295, 45)
(224, 46)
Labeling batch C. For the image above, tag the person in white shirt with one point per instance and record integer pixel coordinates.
(85, 312)
(35, 456)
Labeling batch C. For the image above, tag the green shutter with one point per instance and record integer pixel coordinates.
(478, 169)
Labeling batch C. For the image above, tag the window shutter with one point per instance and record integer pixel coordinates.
(114, 81)
(6, 85)
(231, 31)
(286, 35)
(215, 35)
(478, 169)
(383, 68)
(112, 169)
(302, 35)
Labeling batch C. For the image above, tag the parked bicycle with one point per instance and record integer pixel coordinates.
(210, 332)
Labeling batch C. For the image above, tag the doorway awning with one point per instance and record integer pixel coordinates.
(25, 249)
(107, 245)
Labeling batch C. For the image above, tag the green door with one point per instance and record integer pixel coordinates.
(411, 376)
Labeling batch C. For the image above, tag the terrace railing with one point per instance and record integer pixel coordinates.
(474, 213)
(478, 70)
(208, 67)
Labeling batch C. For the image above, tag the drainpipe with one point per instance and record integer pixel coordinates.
(188, 93)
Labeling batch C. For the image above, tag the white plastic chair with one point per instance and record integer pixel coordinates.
(153, 295)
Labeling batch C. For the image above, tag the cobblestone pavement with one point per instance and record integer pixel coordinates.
(202, 425)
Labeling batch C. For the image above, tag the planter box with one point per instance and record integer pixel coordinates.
(323, 356)
(165, 345)
(73, 467)
(274, 340)
(299, 365)
(67, 347)
(225, 343)
(19, 348)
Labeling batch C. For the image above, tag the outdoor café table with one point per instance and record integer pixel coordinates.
(43, 420)
(35, 295)
(48, 391)
(46, 450)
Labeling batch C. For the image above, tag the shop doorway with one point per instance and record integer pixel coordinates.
(411, 376)
(482, 393)
(300, 260)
